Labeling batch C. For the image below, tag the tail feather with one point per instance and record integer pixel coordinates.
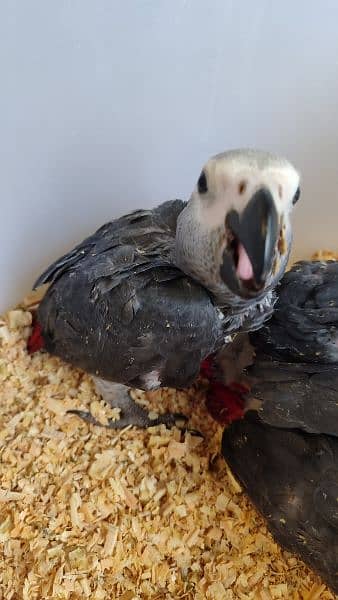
(35, 341)
(225, 403)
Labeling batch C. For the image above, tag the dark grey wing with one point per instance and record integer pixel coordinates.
(139, 225)
(123, 312)
(304, 326)
(151, 330)
(292, 478)
(296, 395)
(107, 236)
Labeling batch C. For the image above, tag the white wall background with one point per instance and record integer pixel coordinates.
(110, 105)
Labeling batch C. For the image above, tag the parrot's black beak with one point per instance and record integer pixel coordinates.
(253, 237)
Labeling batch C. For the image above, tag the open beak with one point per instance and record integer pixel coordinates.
(252, 237)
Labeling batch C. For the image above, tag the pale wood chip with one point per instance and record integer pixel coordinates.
(110, 541)
(102, 465)
(8, 496)
(18, 318)
(75, 504)
(34, 298)
(176, 450)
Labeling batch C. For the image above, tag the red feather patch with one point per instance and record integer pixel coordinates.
(224, 402)
(207, 367)
(35, 341)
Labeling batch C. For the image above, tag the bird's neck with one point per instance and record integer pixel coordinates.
(246, 315)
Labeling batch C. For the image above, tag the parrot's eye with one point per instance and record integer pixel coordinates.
(296, 196)
(202, 184)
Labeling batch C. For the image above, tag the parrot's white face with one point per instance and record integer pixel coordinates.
(234, 235)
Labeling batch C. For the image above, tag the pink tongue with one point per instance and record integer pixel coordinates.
(244, 267)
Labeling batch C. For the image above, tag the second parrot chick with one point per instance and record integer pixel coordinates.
(286, 454)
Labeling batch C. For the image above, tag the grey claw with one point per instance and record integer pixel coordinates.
(88, 418)
(194, 432)
(170, 420)
(84, 415)
(177, 417)
(174, 419)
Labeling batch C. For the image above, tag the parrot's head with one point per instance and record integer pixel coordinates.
(234, 235)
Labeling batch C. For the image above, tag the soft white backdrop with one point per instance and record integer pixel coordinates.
(111, 105)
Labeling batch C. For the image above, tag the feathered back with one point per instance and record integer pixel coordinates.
(304, 326)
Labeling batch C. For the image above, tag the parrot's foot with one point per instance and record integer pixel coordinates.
(118, 396)
(134, 415)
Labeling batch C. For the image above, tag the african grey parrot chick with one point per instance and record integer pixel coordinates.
(285, 452)
(146, 298)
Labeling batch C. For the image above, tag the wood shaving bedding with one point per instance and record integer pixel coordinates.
(88, 512)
